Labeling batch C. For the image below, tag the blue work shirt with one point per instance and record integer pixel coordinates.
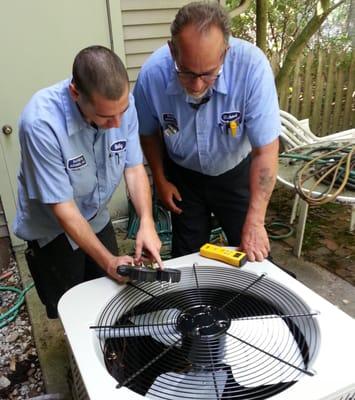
(200, 139)
(64, 158)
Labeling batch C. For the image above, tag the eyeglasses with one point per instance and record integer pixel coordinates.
(191, 76)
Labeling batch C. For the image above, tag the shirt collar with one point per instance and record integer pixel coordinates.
(174, 87)
(74, 120)
(220, 84)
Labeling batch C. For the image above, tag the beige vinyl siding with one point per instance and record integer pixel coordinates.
(146, 27)
(139, 46)
(155, 31)
(128, 5)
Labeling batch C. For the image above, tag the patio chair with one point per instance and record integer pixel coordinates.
(294, 134)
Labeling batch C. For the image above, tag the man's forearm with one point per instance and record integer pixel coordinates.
(263, 173)
(140, 193)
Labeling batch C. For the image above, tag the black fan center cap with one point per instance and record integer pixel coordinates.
(203, 321)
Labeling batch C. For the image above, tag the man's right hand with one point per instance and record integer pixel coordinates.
(168, 194)
(111, 269)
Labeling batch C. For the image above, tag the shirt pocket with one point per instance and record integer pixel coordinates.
(116, 165)
(174, 144)
(83, 181)
(227, 142)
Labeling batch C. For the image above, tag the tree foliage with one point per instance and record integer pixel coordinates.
(293, 26)
(287, 19)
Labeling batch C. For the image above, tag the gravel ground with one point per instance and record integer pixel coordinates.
(20, 373)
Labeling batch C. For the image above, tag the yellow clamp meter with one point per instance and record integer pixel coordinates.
(233, 257)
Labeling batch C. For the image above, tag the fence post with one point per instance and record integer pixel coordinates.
(329, 93)
(307, 90)
(295, 96)
(347, 118)
(339, 93)
(318, 97)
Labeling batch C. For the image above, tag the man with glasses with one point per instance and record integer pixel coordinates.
(78, 138)
(209, 125)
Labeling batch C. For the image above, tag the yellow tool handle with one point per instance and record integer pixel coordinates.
(233, 127)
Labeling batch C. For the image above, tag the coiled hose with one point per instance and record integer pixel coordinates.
(333, 167)
(13, 311)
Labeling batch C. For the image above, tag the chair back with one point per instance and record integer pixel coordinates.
(293, 134)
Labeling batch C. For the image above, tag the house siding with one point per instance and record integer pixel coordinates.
(146, 27)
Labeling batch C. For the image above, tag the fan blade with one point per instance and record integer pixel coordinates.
(198, 384)
(168, 316)
(160, 325)
(264, 343)
(166, 332)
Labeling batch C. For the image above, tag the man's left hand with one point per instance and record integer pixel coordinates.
(255, 242)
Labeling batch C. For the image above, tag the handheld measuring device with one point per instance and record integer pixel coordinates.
(233, 257)
(146, 274)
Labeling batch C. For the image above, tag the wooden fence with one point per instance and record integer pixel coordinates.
(322, 88)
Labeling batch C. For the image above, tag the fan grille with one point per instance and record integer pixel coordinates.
(220, 333)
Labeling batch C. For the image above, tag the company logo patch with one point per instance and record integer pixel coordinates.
(76, 162)
(118, 146)
(170, 125)
(230, 116)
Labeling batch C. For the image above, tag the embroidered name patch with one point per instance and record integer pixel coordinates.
(230, 116)
(118, 146)
(169, 118)
(76, 162)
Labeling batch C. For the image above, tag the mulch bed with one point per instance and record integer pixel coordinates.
(327, 240)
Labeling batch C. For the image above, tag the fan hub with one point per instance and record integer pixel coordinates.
(203, 321)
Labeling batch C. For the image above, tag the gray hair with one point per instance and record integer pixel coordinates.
(203, 15)
(97, 69)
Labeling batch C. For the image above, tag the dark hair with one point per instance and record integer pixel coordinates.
(98, 69)
(203, 15)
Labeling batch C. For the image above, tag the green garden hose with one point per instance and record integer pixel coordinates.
(278, 236)
(332, 166)
(12, 312)
(164, 229)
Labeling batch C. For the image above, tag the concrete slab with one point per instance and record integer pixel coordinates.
(333, 288)
(50, 339)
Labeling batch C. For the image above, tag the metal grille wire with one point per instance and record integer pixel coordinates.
(265, 338)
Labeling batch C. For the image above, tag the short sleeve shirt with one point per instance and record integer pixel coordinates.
(201, 139)
(64, 158)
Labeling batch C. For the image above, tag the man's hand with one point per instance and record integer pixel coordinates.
(153, 149)
(255, 242)
(111, 269)
(148, 239)
(168, 193)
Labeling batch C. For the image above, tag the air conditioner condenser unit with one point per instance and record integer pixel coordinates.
(220, 333)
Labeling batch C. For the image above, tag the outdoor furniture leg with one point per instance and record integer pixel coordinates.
(300, 227)
(294, 208)
(352, 218)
